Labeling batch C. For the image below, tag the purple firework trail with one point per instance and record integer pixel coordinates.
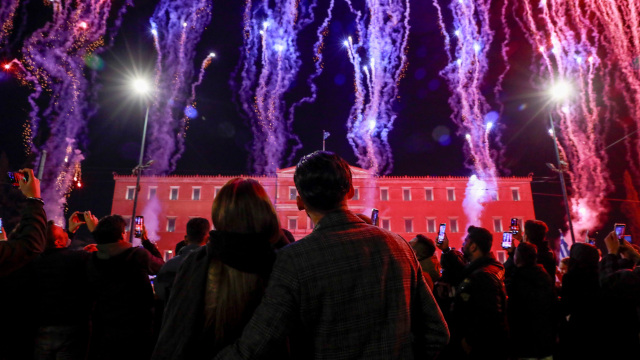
(466, 74)
(382, 35)
(269, 64)
(7, 12)
(566, 42)
(54, 60)
(177, 27)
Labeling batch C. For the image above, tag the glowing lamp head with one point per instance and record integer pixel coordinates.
(457, 33)
(184, 24)
(154, 32)
(141, 86)
(350, 39)
(346, 43)
(79, 184)
(561, 90)
(84, 25)
(468, 137)
(7, 66)
(365, 68)
(372, 124)
(279, 48)
(541, 49)
(265, 24)
(550, 132)
(212, 55)
(489, 126)
(477, 47)
(590, 59)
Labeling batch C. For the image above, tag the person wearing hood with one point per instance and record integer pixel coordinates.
(531, 306)
(124, 302)
(478, 314)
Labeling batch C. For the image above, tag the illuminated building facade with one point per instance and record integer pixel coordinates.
(407, 205)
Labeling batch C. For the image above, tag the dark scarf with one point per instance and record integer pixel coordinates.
(251, 253)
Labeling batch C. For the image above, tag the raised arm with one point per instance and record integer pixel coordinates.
(29, 240)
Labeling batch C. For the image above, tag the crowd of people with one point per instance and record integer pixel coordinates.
(348, 290)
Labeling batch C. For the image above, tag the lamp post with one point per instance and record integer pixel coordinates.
(143, 88)
(559, 92)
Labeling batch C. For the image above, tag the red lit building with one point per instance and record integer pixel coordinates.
(407, 205)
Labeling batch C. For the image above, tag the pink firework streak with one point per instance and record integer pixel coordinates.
(382, 37)
(269, 64)
(566, 44)
(467, 47)
(621, 38)
(54, 62)
(177, 27)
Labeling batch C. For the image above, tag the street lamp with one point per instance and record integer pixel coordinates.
(143, 89)
(561, 91)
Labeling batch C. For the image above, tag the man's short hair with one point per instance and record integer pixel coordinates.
(109, 229)
(323, 180)
(536, 231)
(481, 237)
(423, 246)
(526, 254)
(197, 229)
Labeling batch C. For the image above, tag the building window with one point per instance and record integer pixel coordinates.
(171, 224)
(408, 225)
(384, 194)
(386, 224)
(173, 195)
(406, 194)
(431, 225)
(428, 194)
(130, 192)
(153, 190)
(293, 223)
(494, 195)
(292, 193)
(515, 194)
(453, 225)
(451, 194)
(216, 190)
(195, 194)
(497, 225)
(356, 194)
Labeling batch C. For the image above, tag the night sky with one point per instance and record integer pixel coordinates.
(218, 138)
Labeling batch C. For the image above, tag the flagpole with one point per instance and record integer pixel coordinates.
(323, 139)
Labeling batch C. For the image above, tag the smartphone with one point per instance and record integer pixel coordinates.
(443, 228)
(627, 238)
(139, 224)
(515, 228)
(619, 228)
(374, 217)
(506, 239)
(15, 177)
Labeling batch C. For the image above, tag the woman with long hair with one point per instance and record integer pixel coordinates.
(219, 285)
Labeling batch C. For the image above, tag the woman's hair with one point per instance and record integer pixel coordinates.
(242, 206)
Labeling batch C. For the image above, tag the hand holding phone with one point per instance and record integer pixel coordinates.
(515, 226)
(138, 226)
(374, 217)
(619, 229)
(507, 239)
(441, 233)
